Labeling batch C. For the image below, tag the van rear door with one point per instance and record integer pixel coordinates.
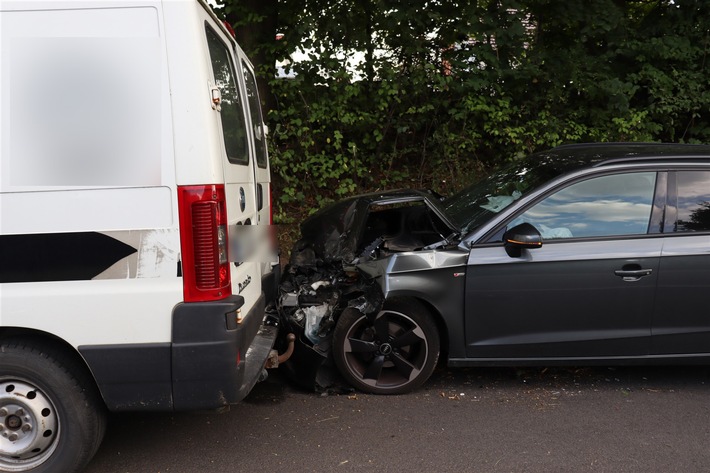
(238, 164)
(258, 133)
(262, 176)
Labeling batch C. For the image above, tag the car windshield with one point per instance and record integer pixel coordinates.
(481, 201)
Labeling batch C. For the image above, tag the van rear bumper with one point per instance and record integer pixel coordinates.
(216, 361)
(212, 362)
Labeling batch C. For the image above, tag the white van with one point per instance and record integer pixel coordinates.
(133, 177)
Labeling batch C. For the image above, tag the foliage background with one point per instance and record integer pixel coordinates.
(430, 94)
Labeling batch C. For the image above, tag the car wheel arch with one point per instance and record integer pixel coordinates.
(435, 314)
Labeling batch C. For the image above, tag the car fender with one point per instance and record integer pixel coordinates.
(435, 277)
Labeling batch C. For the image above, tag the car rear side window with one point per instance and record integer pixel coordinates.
(233, 123)
(610, 205)
(693, 188)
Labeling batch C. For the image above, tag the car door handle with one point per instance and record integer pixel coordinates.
(633, 275)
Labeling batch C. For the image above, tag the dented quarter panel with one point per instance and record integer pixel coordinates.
(436, 277)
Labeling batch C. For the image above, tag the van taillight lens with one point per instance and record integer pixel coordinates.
(203, 239)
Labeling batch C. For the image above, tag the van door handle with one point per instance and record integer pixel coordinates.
(632, 274)
(259, 197)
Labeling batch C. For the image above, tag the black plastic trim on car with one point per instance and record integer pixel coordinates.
(658, 210)
(652, 159)
(671, 215)
(660, 359)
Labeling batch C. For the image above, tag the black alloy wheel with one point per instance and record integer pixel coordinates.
(394, 353)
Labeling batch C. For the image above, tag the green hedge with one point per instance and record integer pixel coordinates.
(449, 89)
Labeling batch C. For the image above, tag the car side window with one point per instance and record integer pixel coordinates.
(693, 188)
(618, 204)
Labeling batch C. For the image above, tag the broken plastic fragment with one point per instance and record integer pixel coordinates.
(314, 315)
(318, 284)
(289, 299)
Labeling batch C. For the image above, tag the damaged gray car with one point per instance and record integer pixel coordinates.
(583, 254)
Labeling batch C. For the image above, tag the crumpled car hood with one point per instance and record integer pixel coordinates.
(337, 232)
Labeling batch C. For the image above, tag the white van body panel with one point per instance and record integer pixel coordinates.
(55, 309)
(78, 156)
(110, 209)
(76, 81)
(106, 113)
(132, 275)
(195, 135)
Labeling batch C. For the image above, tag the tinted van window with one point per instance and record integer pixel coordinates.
(257, 123)
(233, 126)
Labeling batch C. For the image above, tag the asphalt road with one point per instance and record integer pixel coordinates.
(468, 420)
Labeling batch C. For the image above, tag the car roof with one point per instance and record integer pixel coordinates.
(570, 157)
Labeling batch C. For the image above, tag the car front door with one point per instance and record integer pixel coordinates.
(587, 292)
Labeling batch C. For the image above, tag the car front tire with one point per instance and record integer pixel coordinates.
(393, 352)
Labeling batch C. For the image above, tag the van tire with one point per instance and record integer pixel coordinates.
(52, 419)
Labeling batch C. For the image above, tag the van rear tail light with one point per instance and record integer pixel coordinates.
(203, 240)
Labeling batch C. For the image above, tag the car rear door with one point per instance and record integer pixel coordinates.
(681, 324)
(587, 292)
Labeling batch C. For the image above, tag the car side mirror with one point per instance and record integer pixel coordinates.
(520, 237)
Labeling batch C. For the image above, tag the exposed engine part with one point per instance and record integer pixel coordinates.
(322, 291)
(326, 274)
(289, 299)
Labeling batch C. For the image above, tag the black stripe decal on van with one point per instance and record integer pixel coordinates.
(58, 256)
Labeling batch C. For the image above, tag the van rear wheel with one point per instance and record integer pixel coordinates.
(50, 418)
